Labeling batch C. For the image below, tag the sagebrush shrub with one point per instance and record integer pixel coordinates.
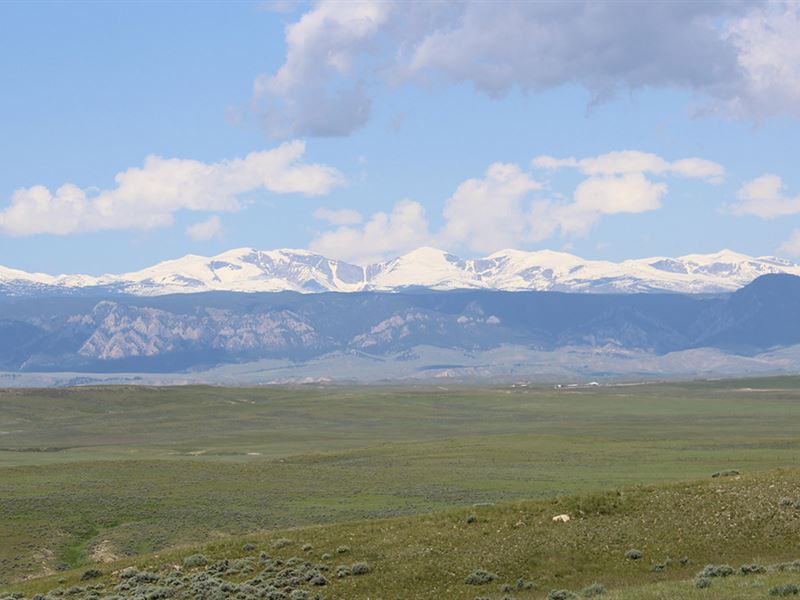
(91, 574)
(596, 589)
(791, 567)
(716, 571)
(726, 473)
(360, 568)
(633, 554)
(525, 585)
(343, 571)
(561, 595)
(480, 577)
(702, 582)
(195, 560)
(752, 569)
(787, 589)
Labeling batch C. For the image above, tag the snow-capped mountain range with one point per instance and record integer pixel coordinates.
(250, 270)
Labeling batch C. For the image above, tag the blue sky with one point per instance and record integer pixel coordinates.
(406, 124)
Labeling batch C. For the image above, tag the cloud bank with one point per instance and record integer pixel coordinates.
(739, 59)
(764, 197)
(147, 197)
(384, 234)
(508, 207)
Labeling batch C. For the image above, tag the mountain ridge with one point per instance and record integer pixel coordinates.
(251, 270)
(191, 332)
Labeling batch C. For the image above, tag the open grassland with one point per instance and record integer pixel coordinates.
(92, 474)
(677, 530)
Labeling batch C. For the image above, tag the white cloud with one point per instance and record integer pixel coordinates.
(507, 207)
(738, 58)
(343, 216)
(319, 90)
(205, 230)
(601, 195)
(616, 183)
(612, 194)
(634, 161)
(768, 53)
(763, 197)
(792, 245)
(147, 197)
(487, 214)
(385, 235)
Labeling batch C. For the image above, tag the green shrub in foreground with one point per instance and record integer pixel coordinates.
(360, 568)
(726, 473)
(716, 571)
(195, 560)
(480, 577)
(343, 571)
(561, 595)
(753, 569)
(787, 567)
(787, 589)
(525, 585)
(91, 574)
(702, 582)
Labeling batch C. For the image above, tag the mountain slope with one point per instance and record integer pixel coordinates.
(193, 331)
(247, 270)
(250, 270)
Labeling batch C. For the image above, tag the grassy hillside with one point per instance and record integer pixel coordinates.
(678, 529)
(105, 473)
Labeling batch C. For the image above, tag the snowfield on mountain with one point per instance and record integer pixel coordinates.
(250, 270)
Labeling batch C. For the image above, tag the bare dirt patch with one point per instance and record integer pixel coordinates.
(103, 552)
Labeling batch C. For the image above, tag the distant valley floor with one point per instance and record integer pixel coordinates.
(507, 364)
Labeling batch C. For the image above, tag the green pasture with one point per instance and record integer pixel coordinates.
(112, 472)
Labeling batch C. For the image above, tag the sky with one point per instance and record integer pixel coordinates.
(139, 132)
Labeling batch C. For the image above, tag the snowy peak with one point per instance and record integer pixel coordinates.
(252, 270)
(247, 270)
(423, 267)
